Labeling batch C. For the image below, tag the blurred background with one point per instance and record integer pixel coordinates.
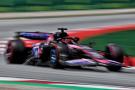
(52, 5)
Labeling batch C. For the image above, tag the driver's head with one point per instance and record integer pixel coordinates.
(58, 35)
(63, 34)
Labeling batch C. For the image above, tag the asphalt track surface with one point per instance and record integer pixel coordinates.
(93, 75)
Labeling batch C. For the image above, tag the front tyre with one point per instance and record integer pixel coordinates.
(115, 53)
(114, 68)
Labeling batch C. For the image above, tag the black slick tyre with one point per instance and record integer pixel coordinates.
(114, 52)
(15, 52)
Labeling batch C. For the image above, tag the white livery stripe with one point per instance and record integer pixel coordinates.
(12, 79)
(2, 50)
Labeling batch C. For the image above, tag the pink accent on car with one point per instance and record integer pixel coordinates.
(102, 61)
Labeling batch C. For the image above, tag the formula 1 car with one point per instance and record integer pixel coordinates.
(61, 51)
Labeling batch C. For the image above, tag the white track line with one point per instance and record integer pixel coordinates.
(2, 49)
(100, 86)
(4, 42)
(2, 45)
(77, 85)
(1, 53)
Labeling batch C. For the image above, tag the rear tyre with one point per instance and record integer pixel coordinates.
(15, 52)
(114, 52)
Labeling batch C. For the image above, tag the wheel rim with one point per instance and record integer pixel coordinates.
(53, 56)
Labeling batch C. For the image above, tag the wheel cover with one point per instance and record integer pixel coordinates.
(53, 56)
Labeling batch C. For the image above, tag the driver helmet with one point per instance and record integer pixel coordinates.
(59, 35)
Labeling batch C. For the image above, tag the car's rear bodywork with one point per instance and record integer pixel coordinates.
(30, 38)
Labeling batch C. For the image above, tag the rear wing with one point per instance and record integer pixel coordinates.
(33, 35)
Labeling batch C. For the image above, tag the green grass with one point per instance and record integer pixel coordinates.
(125, 39)
(5, 9)
(55, 5)
(28, 8)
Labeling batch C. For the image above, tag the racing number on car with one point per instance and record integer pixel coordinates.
(36, 52)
